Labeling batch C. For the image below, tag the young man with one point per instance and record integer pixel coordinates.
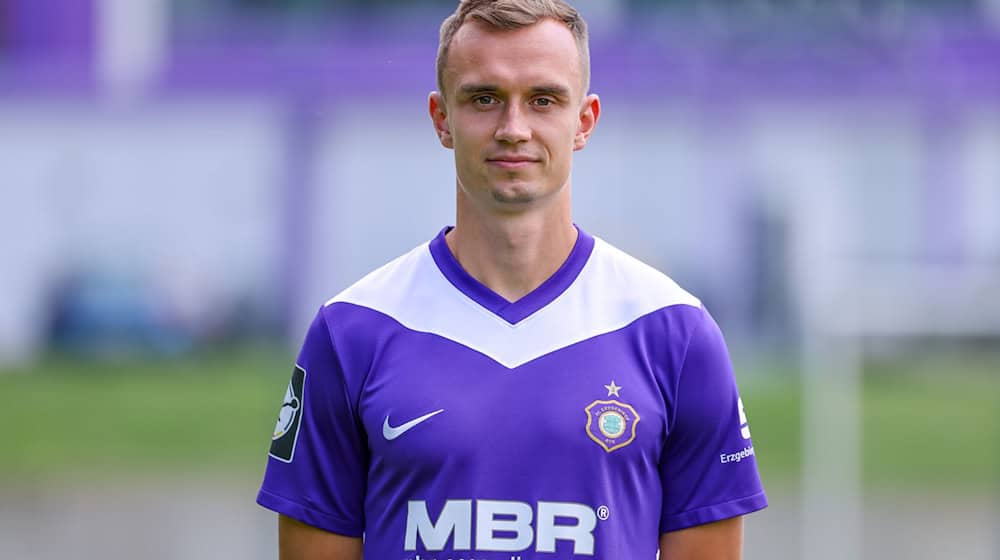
(515, 388)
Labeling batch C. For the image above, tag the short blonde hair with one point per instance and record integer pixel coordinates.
(514, 14)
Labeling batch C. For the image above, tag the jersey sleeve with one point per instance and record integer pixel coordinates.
(317, 463)
(708, 470)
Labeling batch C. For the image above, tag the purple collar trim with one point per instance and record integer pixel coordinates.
(512, 311)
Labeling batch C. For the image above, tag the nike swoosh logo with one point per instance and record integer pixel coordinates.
(390, 433)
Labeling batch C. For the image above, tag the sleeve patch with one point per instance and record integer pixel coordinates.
(286, 430)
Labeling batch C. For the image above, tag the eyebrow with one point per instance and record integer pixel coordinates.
(545, 89)
(469, 89)
(555, 90)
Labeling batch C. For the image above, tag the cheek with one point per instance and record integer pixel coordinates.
(561, 147)
(467, 140)
(465, 151)
(563, 135)
(468, 158)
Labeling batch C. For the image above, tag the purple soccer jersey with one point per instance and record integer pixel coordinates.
(442, 422)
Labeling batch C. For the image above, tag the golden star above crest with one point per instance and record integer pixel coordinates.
(613, 389)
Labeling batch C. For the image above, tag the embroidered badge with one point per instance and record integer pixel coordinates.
(611, 423)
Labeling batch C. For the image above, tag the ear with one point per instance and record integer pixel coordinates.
(439, 117)
(589, 113)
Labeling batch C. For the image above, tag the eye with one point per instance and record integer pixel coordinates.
(543, 102)
(484, 100)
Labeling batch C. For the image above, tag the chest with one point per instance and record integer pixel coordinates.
(430, 402)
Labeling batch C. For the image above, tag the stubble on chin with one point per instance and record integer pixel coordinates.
(515, 197)
(516, 188)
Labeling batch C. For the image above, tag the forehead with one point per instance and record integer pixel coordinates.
(544, 52)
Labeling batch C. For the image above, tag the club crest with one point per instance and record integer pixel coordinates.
(611, 423)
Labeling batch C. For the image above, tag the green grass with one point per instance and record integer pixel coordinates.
(773, 409)
(933, 425)
(213, 412)
(209, 412)
(926, 425)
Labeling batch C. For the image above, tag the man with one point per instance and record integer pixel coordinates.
(516, 388)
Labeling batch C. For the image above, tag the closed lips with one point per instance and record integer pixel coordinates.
(512, 160)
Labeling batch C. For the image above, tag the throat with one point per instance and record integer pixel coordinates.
(513, 288)
(512, 268)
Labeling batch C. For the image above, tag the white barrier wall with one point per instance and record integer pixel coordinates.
(181, 195)
(201, 198)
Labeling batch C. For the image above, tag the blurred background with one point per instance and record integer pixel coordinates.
(184, 182)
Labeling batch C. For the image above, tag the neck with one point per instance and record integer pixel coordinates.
(512, 254)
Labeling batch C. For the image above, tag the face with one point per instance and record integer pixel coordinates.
(514, 111)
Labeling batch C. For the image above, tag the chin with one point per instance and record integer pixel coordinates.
(516, 196)
(517, 193)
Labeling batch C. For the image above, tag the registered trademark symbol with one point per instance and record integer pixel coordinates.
(603, 513)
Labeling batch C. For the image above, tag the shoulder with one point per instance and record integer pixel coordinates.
(407, 292)
(349, 327)
(624, 280)
(394, 282)
(660, 315)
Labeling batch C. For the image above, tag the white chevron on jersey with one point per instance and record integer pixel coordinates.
(613, 290)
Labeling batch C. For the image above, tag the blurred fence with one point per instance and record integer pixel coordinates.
(263, 166)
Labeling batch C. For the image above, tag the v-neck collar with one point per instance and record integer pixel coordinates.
(512, 311)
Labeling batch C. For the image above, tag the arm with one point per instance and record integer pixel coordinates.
(709, 469)
(315, 476)
(298, 541)
(721, 540)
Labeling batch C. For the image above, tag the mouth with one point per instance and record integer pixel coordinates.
(511, 162)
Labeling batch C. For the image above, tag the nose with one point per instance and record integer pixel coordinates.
(513, 126)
